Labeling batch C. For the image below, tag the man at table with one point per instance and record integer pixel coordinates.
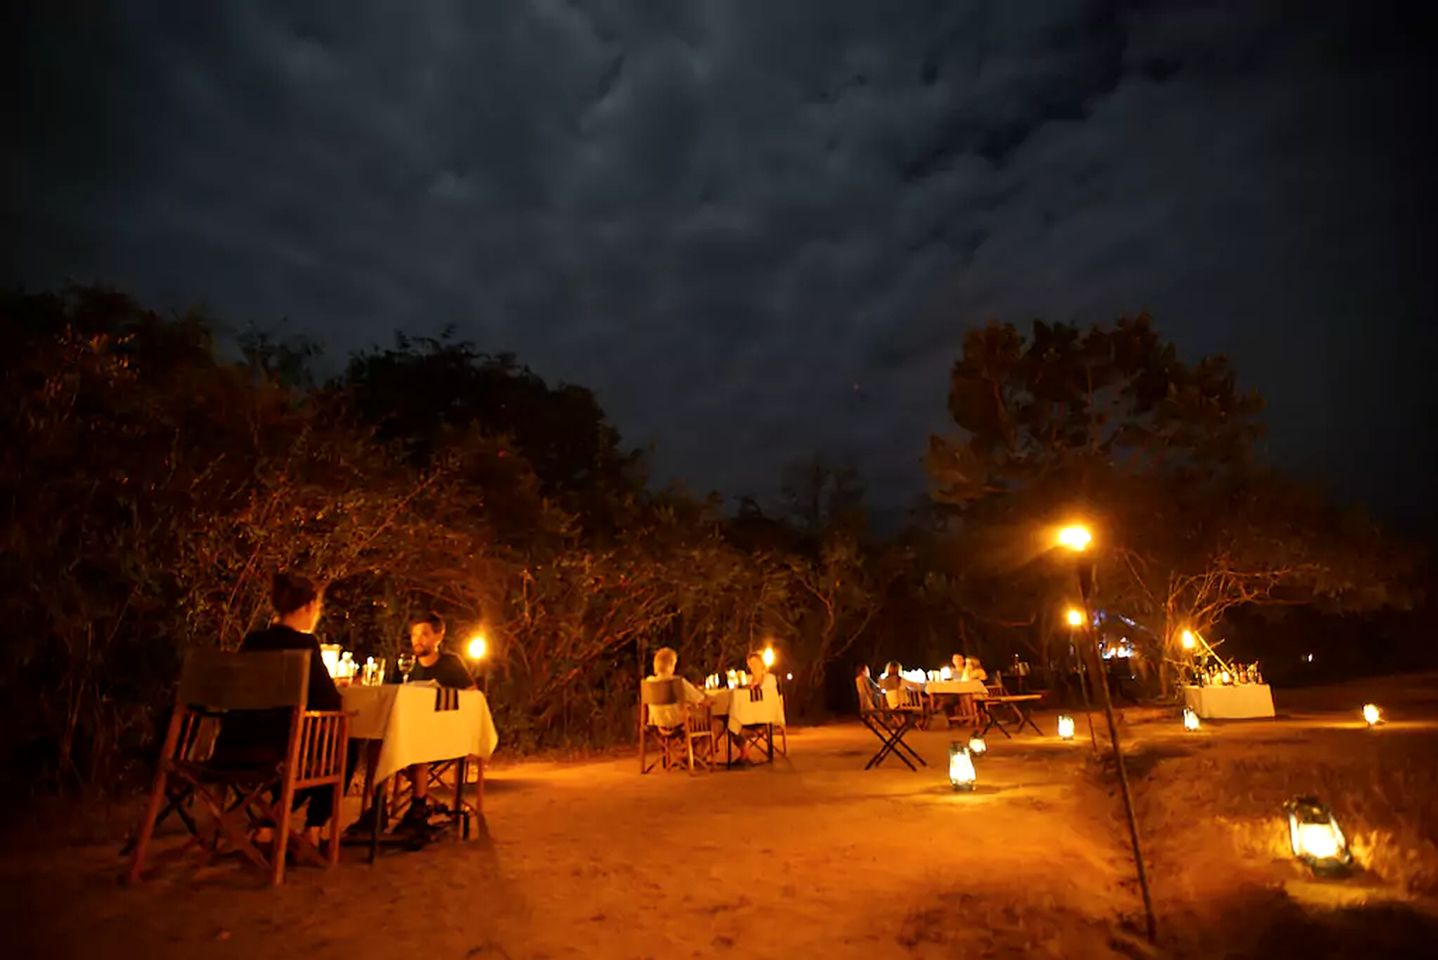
(426, 635)
(671, 715)
(870, 696)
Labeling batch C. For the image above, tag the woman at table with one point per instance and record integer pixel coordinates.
(974, 670)
(893, 678)
(261, 736)
(671, 715)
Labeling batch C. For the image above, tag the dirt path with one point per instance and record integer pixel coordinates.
(817, 857)
(812, 857)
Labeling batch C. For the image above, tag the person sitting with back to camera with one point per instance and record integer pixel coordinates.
(261, 737)
(669, 716)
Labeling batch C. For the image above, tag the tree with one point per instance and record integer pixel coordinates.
(1159, 453)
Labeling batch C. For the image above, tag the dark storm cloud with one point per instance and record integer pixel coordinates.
(757, 229)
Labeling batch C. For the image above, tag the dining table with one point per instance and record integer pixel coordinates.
(738, 709)
(419, 722)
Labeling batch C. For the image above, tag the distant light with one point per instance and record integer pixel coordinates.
(1075, 537)
(768, 657)
(1309, 658)
(788, 676)
(1074, 616)
(1187, 639)
(1372, 715)
(478, 647)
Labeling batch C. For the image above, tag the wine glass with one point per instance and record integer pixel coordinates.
(405, 662)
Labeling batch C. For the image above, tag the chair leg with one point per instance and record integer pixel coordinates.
(157, 796)
(282, 830)
(147, 825)
(334, 850)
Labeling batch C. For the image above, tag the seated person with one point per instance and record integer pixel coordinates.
(759, 676)
(426, 634)
(260, 737)
(973, 670)
(671, 715)
(893, 678)
(870, 696)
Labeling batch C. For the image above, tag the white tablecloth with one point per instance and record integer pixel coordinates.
(410, 730)
(741, 711)
(973, 688)
(1239, 701)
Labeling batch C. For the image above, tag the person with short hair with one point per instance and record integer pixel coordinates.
(431, 662)
(426, 636)
(671, 715)
(868, 690)
(262, 736)
(759, 675)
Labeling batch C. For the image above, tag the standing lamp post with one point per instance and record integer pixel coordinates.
(1075, 618)
(1076, 538)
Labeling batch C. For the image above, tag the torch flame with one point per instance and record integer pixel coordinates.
(1372, 715)
(478, 647)
(1066, 727)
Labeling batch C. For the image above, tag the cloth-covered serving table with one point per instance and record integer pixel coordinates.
(419, 723)
(1240, 701)
(973, 688)
(741, 711)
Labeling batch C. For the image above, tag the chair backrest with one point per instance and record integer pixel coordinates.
(660, 693)
(910, 699)
(867, 702)
(216, 680)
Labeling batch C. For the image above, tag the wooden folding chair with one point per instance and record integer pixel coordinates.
(890, 726)
(240, 796)
(675, 744)
(760, 735)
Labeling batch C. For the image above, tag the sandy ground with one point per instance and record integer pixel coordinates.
(816, 856)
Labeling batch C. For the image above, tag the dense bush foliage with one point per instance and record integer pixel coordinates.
(152, 486)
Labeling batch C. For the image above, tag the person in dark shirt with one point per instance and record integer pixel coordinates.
(426, 635)
(259, 737)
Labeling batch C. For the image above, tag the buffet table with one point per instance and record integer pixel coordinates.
(1238, 702)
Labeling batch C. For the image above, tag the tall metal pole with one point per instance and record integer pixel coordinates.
(1086, 578)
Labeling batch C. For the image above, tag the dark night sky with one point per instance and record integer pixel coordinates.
(758, 229)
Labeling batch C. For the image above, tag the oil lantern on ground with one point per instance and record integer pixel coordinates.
(961, 767)
(977, 747)
(1066, 727)
(1190, 719)
(1372, 715)
(1314, 834)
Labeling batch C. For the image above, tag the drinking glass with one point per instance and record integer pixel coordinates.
(405, 662)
